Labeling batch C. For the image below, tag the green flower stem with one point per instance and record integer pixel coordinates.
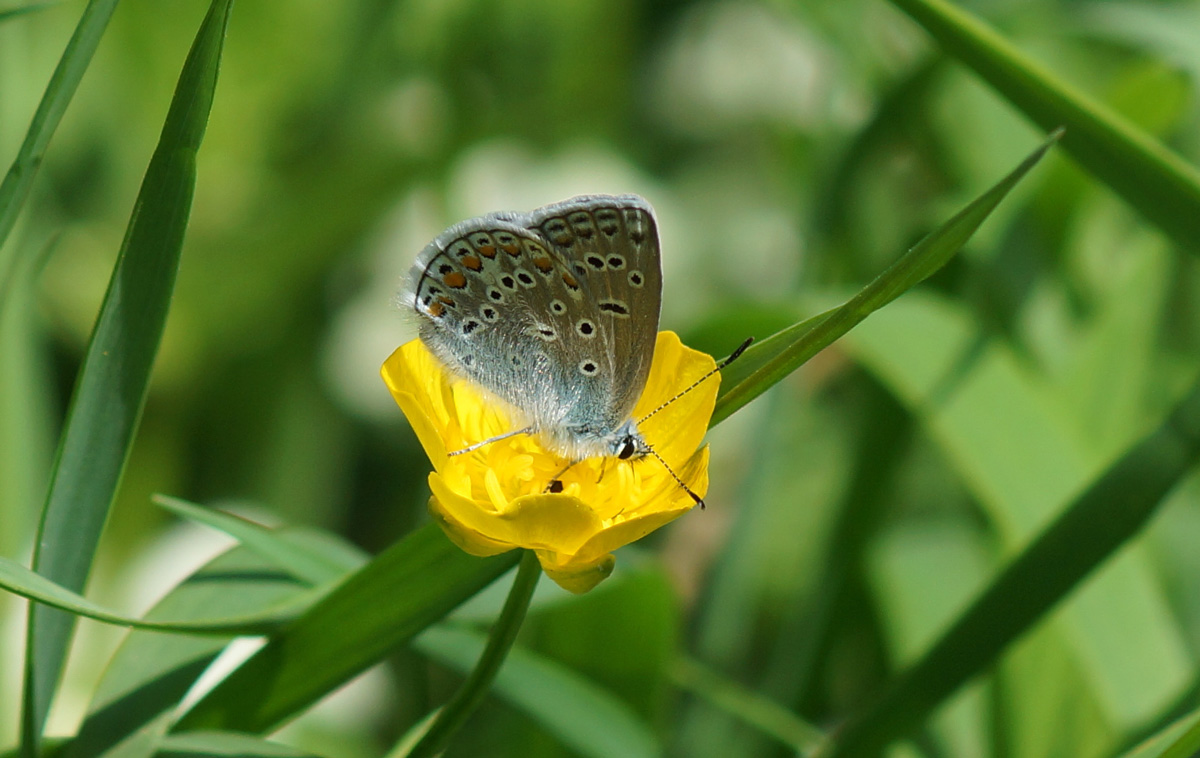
(454, 713)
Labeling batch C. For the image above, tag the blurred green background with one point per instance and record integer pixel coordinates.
(791, 150)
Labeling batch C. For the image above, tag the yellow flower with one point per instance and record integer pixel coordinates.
(494, 499)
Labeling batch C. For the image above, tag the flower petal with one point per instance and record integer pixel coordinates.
(677, 430)
(557, 523)
(651, 516)
(468, 540)
(579, 577)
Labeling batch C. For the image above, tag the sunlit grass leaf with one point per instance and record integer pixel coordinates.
(401, 592)
(111, 387)
(575, 710)
(21, 581)
(1096, 524)
(585, 718)
(151, 672)
(75, 59)
(1151, 178)
(224, 745)
(301, 562)
(766, 363)
(1179, 740)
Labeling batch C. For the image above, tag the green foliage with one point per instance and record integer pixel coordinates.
(965, 525)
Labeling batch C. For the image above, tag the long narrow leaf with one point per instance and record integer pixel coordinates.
(21, 581)
(1179, 740)
(584, 717)
(405, 589)
(111, 388)
(300, 563)
(63, 83)
(151, 672)
(1151, 178)
(12, 13)
(765, 364)
(224, 745)
(1096, 525)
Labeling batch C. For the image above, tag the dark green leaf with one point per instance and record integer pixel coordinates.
(764, 364)
(111, 388)
(151, 672)
(1151, 178)
(75, 59)
(401, 592)
(1105, 517)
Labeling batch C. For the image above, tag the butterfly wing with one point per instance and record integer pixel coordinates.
(610, 243)
(554, 313)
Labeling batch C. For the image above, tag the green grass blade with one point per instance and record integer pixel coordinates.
(63, 82)
(584, 717)
(224, 745)
(764, 714)
(299, 562)
(12, 13)
(1106, 516)
(1150, 177)
(21, 581)
(405, 589)
(437, 733)
(1179, 740)
(111, 388)
(151, 672)
(765, 364)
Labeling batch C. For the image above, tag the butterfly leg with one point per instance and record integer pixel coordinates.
(556, 486)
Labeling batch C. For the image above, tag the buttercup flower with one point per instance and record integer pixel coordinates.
(494, 499)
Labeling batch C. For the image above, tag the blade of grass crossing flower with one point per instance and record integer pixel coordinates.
(111, 388)
(1105, 517)
(401, 592)
(74, 61)
(780, 355)
(436, 734)
(1151, 178)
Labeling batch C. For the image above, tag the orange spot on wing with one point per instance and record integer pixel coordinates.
(543, 264)
(455, 280)
(514, 250)
(472, 262)
(436, 310)
(570, 281)
(487, 251)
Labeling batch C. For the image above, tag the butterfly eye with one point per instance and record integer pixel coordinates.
(627, 449)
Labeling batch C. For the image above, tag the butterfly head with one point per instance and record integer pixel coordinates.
(627, 443)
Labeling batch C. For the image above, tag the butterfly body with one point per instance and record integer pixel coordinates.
(553, 312)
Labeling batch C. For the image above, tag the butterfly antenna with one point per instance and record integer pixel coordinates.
(699, 500)
(732, 357)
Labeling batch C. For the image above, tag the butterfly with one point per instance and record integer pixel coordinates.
(554, 312)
